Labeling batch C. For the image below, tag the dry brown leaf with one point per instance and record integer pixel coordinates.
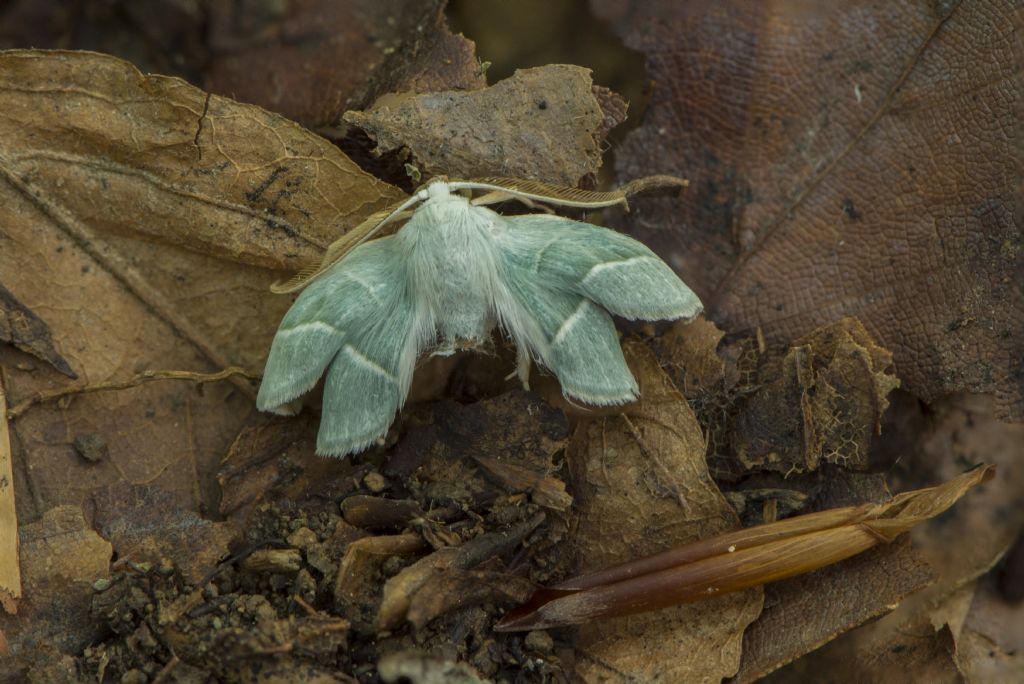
(924, 655)
(313, 60)
(274, 458)
(715, 374)
(964, 431)
(846, 159)
(988, 645)
(641, 486)
(805, 612)
(145, 523)
(128, 157)
(689, 353)
(144, 220)
(541, 124)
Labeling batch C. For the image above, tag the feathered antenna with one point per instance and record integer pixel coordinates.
(500, 189)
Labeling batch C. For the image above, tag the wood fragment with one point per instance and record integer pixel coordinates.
(231, 373)
(10, 569)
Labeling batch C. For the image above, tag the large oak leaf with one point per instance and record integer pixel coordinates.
(846, 159)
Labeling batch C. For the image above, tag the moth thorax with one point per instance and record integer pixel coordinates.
(453, 268)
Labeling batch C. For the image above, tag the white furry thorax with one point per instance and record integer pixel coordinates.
(452, 269)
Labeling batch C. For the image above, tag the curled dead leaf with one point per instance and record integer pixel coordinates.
(26, 331)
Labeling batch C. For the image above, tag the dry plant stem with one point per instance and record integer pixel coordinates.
(737, 560)
(742, 539)
(140, 379)
(10, 573)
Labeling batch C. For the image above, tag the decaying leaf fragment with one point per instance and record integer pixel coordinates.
(443, 580)
(21, 327)
(61, 556)
(738, 560)
(820, 402)
(542, 124)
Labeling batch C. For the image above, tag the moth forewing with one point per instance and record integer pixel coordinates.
(447, 278)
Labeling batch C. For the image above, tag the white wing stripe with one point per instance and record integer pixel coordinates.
(569, 322)
(597, 268)
(369, 364)
(310, 327)
(370, 289)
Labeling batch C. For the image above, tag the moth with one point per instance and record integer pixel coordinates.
(444, 281)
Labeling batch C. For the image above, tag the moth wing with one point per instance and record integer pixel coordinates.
(367, 381)
(621, 274)
(569, 334)
(327, 314)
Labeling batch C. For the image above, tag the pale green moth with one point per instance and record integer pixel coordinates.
(446, 279)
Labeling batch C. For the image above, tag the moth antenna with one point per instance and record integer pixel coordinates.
(503, 188)
(337, 250)
(495, 197)
(658, 182)
(503, 196)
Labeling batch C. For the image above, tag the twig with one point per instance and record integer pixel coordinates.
(140, 379)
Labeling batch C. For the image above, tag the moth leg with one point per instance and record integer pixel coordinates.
(522, 367)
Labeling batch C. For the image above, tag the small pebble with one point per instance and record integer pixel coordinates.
(539, 641)
(302, 538)
(375, 482)
(91, 447)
